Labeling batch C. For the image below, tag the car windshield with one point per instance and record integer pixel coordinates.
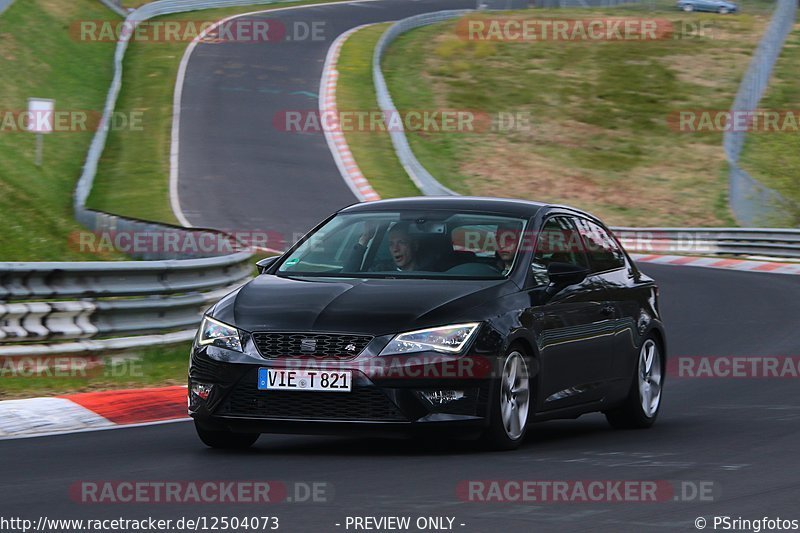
(412, 244)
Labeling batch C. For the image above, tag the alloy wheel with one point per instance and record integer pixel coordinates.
(649, 378)
(515, 395)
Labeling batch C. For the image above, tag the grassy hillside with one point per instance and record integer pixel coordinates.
(600, 134)
(39, 58)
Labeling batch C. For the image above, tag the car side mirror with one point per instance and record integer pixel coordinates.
(265, 263)
(563, 275)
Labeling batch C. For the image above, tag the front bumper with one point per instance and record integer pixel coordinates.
(381, 402)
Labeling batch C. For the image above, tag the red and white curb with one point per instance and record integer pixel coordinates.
(91, 411)
(744, 265)
(337, 143)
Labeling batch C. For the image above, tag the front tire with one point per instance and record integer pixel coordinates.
(640, 409)
(510, 408)
(226, 440)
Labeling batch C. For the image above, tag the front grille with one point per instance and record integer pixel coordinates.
(361, 404)
(323, 345)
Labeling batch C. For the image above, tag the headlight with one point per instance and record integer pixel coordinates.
(215, 333)
(445, 339)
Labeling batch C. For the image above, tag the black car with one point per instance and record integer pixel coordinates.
(474, 316)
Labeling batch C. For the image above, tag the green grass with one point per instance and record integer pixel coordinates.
(600, 137)
(773, 158)
(150, 367)
(355, 91)
(39, 58)
(133, 176)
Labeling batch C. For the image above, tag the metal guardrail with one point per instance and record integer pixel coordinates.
(767, 242)
(5, 4)
(423, 179)
(752, 203)
(98, 279)
(121, 298)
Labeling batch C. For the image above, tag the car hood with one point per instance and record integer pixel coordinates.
(369, 306)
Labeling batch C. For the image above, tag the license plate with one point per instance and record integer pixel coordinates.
(305, 380)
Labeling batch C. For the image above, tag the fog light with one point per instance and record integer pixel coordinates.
(201, 390)
(442, 397)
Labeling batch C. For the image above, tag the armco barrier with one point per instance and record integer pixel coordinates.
(49, 302)
(423, 179)
(767, 242)
(5, 4)
(752, 203)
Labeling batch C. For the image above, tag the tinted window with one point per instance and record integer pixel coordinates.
(410, 244)
(604, 254)
(557, 242)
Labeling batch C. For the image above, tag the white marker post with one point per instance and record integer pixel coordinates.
(40, 122)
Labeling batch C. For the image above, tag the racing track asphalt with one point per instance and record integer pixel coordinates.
(740, 434)
(236, 173)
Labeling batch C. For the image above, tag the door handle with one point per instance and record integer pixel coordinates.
(608, 310)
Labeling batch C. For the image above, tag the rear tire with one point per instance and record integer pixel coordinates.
(226, 440)
(640, 409)
(511, 404)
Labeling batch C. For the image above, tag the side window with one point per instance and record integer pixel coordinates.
(604, 253)
(558, 242)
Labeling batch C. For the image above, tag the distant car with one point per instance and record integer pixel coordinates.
(467, 315)
(715, 6)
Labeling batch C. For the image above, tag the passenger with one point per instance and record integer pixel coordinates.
(507, 237)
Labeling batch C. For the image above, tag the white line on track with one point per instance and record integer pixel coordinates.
(90, 430)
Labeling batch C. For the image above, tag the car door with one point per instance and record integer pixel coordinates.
(574, 331)
(611, 268)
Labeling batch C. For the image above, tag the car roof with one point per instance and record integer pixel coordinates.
(507, 206)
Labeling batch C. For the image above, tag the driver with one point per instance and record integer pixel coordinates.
(403, 249)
